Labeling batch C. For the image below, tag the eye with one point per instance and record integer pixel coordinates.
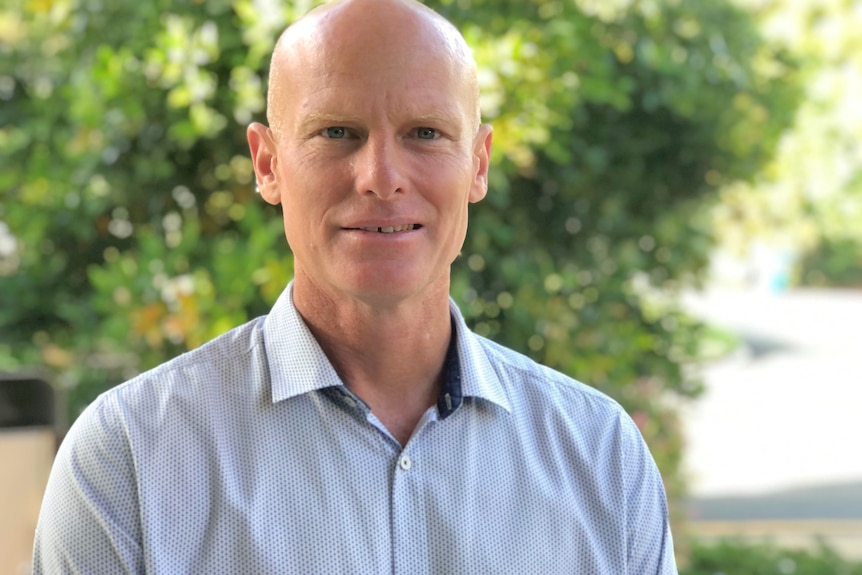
(426, 133)
(335, 132)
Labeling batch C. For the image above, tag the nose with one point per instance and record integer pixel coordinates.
(380, 167)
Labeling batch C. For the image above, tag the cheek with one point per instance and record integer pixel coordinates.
(457, 229)
(292, 207)
(289, 230)
(305, 210)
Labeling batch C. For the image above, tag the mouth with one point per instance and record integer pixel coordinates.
(389, 229)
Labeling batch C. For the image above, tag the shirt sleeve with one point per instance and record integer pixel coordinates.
(89, 521)
(650, 545)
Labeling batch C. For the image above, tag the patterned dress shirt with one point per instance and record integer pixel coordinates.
(249, 455)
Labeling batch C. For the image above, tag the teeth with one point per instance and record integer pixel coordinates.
(389, 229)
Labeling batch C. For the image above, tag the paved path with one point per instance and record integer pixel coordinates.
(785, 411)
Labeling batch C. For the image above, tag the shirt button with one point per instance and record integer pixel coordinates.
(405, 463)
(349, 401)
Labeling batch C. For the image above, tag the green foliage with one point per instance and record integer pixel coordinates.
(612, 127)
(136, 229)
(130, 230)
(808, 199)
(833, 263)
(739, 558)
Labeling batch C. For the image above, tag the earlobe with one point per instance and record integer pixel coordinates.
(263, 157)
(482, 160)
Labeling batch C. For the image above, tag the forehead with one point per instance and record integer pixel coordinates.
(398, 60)
(404, 81)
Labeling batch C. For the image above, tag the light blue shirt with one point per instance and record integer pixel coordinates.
(249, 455)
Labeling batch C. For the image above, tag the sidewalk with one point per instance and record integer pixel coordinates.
(785, 411)
(774, 446)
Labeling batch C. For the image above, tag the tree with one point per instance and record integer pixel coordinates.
(617, 124)
(131, 230)
(807, 201)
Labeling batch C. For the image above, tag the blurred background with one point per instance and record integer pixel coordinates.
(675, 217)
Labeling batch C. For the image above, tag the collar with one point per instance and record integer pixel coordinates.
(297, 364)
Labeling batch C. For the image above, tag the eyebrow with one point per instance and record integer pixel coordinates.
(321, 118)
(327, 118)
(437, 118)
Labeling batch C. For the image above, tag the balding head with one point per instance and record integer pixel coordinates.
(374, 151)
(359, 33)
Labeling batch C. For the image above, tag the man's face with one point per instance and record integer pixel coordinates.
(376, 159)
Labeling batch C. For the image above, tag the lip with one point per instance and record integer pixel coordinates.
(388, 229)
(384, 226)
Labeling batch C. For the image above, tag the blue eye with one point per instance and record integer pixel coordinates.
(426, 133)
(335, 132)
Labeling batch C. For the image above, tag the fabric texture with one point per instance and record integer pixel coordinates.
(249, 455)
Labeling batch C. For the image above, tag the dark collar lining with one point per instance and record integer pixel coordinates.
(450, 397)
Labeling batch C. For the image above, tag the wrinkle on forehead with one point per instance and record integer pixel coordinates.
(346, 31)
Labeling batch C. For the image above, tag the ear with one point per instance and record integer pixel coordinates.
(481, 161)
(263, 157)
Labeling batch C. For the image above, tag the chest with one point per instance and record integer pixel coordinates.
(335, 495)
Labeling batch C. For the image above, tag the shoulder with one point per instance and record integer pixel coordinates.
(561, 409)
(202, 380)
(213, 362)
(137, 433)
(528, 380)
(230, 348)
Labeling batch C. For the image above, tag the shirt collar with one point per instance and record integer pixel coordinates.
(478, 376)
(297, 364)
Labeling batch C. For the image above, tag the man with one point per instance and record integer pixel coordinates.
(359, 427)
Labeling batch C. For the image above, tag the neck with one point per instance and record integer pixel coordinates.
(391, 356)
